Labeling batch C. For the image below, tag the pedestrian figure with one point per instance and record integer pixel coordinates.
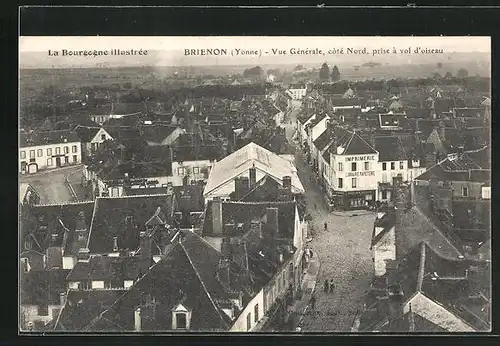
(313, 302)
(326, 226)
(332, 286)
(315, 206)
(326, 287)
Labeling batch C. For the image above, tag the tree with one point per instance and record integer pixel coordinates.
(298, 68)
(462, 73)
(324, 72)
(436, 76)
(335, 74)
(439, 65)
(254, 72)
(448, 75)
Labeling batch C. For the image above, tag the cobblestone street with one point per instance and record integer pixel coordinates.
(344, 254)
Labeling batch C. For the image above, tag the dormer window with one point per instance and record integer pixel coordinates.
(181, 317)
(129, 220)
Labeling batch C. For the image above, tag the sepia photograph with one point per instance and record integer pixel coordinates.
(271, 184)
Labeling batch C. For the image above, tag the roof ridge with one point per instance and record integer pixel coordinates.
(62, 204)
(203, 285)
(421, 268)
(92, 222)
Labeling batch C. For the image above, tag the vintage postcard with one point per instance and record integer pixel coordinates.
(254, 184)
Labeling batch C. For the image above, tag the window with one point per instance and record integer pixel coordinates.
(341, 183)
(354, 182)
(465, 191)
(49, 151)
(353, 167)
(26, 267)
(384, 166)
(49, 162)
(23, 154)
(384, 194)
(249, 321)
(340, 167)
(180, 171)
(393, 166)
(39, 152)
(65, 159)
(401, 165)
(58, 151)
(367, 166)
(75, 159)
(32, 154)
(74, 149)
(181, 320)
(196, 170)
(129, 219)
(66, 150)
(256, 313)
(103, 137)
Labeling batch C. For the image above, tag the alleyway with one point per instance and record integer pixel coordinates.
(344, 254)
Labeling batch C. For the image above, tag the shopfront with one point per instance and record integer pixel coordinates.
(353, 199)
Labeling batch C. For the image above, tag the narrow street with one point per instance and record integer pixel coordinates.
(344, 254)
(51, 185)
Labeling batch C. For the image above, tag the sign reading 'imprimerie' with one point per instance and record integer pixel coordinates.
(360, 158)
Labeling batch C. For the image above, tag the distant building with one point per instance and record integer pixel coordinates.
(297, 91)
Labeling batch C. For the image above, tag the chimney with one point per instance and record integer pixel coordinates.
(115, 244)
(441, 131)
(241, 185)
(253, 176)
(217, 216)
(137, 319)
(272, 221)
(287, 182)
(62, 298)
(225, 248)
(223, 272)
(145, 245)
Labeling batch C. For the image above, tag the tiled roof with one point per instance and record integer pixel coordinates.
(86, 134)
(42, 287)
(413, 323)
(460, 169)
(47, 137)
(243, 159)
(83, 306)
(110, 219)
(109, 268)
(356, 145)
(157, 134)
(187, 273)
(390, 148)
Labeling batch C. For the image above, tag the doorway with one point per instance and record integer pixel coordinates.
(58, 162)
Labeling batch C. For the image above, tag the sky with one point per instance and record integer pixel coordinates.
(169, 51)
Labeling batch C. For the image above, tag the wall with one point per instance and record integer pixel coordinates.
(69, 262)
(97, 284)
(436, 313)
(188, 167)
(384, 249)
(474, 188)
(387, 175)
(366, 180)
(42, 160)
(30, 313)
(240, 325)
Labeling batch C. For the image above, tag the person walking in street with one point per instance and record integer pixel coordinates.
(326, 288)
(326, 226)
(332, 286)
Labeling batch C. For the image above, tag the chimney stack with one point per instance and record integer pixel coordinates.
(223, 272)
(272, 221)
(241, 187)
(217, 216)
(145, 245)
(225, 248)
(253, 176)
(62, 298)
(287, 182)
(115, 244)
(137, 319)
